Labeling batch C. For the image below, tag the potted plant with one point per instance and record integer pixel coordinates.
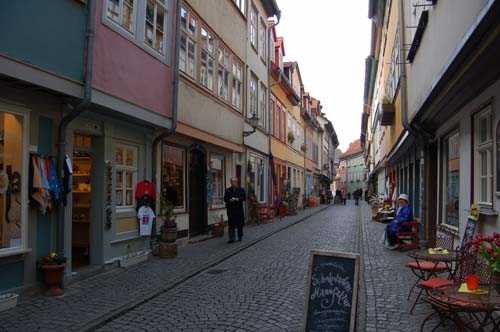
(52, 267)
(291, 137)
(168, 230)
(489, 249)
(218, 228)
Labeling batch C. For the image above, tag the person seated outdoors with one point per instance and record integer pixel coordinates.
(404, 214)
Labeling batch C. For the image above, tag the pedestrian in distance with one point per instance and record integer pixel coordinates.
(234, 197)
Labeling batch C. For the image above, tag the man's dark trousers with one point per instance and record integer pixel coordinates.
(232, 229)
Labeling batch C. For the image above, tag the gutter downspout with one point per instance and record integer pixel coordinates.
(175, 91)
(74, 113)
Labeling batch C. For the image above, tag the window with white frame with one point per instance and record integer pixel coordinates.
(262, 40)
(155, 23)
(207, 59)
(223, 72)
(252, 86)
(257, 177)
(125, 175)
(122, 12)
(187, 52)
(483, 157)
(241, 5)
(262, 105)
(217, 179)
(254, 15)
(237, 79)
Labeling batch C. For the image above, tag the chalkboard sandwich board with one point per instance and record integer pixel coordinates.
(332, 290)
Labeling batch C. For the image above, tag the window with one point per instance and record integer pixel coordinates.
(262, 105)
(262, 40)
(223, 74)
(241, 5)
(483, 158)
(187, 58)
(216, 195)
(155, 25)
(237, 79)
(126, 175)
(121, 12)
(253, 97)
(207, 60)
(173, 176)
(451, 180)
(254, 14)
(12, 190)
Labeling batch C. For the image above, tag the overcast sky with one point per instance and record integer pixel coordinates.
(330, 40)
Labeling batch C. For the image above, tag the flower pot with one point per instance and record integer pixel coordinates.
(53, 276)
(168, 250)
(169, 232)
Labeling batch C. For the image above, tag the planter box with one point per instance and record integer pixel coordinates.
(388, 114)
(8, 301)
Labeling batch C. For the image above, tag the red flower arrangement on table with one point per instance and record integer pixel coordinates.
(489, 249)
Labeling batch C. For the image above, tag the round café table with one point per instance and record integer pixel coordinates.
(468, 311)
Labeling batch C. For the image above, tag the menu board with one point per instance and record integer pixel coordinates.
(332, 291)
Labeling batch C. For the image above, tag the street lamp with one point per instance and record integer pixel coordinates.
(254, 123)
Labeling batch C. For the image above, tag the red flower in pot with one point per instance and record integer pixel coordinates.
(52, 267)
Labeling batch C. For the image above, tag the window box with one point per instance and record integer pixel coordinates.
(388, 112)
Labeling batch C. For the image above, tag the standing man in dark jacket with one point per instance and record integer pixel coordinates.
(234, 198)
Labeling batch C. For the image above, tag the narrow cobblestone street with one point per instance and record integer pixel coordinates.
(258, 285)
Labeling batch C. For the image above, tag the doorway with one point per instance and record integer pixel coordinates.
(197, 191)
(82, 193)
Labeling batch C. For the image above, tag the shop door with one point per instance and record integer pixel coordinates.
(82, 193)
(197, 192)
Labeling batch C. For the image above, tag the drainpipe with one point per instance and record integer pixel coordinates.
(175, 91)
(75, 111)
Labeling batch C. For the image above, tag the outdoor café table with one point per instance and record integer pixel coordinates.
(475, 312)
(427, 265)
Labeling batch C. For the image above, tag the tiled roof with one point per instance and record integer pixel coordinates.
(354, 148)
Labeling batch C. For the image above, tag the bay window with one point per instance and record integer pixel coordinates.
(483, 157)
(237, 79)
(450, 182)
(262, 105)
(207, 60)
(217, 180)
(173, 175)
(254, 14)
(125, 175)
(121, 12)
(254, 108)
(155, 25)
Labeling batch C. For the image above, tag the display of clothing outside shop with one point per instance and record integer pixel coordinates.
(146, 217)
(46, 187)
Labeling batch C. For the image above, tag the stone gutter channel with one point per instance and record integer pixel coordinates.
(123, 309)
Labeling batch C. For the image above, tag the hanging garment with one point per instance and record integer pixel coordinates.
(54, 183)
(146, 217)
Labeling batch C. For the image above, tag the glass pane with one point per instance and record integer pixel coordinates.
(119, 156)
(119, 179)
(11, 173)
(173, 175)
(130, 157)
(452, 181)
(483, 129)
(483, 163)
(129, 200)
(183, 18)
(150, 12)
(149, 34)
(119, 198)
(129, 180)
(160, 18)
(484, 190)
(128, 15)
(113, 10)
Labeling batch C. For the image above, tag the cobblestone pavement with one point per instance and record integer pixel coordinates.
(386, 283)
(260, 289)
(96, 299)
